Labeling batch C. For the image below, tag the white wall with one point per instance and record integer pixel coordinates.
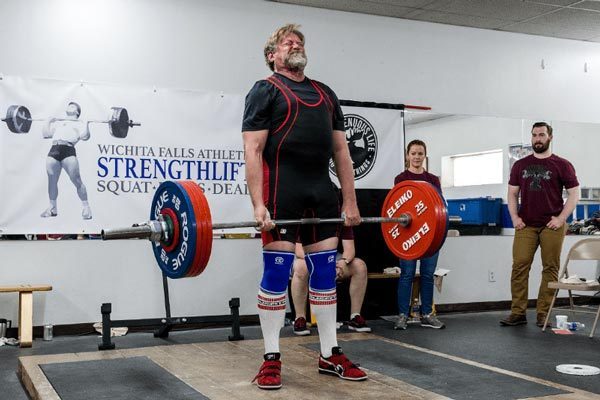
(470, 258)
(578, 143)
(216, 45)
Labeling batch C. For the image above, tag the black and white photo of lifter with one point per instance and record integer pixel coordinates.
(65, 134)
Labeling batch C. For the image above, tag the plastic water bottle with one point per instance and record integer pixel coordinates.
(574, 326)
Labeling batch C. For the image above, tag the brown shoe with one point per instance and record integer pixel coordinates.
(541, 318)
(513, 320)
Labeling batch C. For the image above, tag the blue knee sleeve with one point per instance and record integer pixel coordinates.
(321, 269)
(276, 272)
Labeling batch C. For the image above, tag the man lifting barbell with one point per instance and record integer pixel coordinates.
(65, 134)
(287, 171)
(292, 126)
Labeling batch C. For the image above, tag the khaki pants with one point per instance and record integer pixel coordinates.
(525, 245)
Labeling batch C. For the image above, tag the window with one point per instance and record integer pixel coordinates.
(483, 168)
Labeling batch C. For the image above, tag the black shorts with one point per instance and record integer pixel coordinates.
(61, 151)
(304, 201)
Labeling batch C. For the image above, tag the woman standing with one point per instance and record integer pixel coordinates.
(416, 151)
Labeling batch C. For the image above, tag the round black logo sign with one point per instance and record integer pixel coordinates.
(362, 142)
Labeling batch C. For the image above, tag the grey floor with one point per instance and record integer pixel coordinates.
(472, 336)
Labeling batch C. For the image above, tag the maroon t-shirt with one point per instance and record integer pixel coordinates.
(406, 175)
(541, 182)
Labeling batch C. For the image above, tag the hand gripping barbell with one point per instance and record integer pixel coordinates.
(18, 119)
(414, 224)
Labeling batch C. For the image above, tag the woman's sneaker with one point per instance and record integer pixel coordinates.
(338, 364)
(358, 324)
(269, 375)
(431, 321)
(402, 322)
(300, 327)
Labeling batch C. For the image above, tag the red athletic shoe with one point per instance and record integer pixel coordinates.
(300, 327)
(269, 375)
(358, 324)
(338, 364)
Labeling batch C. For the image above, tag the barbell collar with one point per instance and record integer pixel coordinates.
(155, 231)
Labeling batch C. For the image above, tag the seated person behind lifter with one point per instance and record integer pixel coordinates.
(347, 266)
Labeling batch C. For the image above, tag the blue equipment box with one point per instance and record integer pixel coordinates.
(477, 211)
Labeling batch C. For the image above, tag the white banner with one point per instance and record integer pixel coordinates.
(182, 135)
(376, 141)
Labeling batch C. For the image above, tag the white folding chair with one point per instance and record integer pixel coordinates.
(586, 249)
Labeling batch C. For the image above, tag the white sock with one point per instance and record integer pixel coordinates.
(324, 306)
(354, 315)
(53, 204)
(85, 204)
(271, 311)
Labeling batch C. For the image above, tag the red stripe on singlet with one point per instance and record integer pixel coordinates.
(282, 90)
(298, 99)
(288, 101)
(323, 94)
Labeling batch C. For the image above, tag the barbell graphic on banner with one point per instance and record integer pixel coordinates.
(414, 224)
(18, 120)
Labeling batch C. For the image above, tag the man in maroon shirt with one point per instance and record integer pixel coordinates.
(540, 221)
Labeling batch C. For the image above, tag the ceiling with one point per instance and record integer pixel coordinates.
(567, 19)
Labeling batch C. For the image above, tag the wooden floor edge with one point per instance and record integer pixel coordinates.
(26, 381)
(25, 377)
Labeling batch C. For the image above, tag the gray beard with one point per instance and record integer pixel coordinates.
(296, 61)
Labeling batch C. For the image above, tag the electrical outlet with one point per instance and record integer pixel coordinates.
(491, 276)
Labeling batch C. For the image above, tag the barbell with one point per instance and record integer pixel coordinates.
(19, 120)
(414, 223)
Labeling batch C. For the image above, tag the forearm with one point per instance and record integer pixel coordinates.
(254, 177)
(513, 205)
(570, 204)
(254, 145)
(85, 135)
(349, 250)
(345, 173)
(47, 131)
(348, 256)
